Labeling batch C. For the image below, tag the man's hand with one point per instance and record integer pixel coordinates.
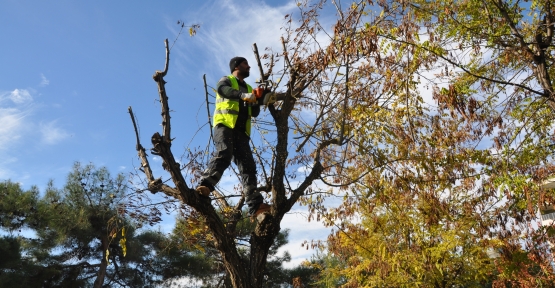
(248, 97)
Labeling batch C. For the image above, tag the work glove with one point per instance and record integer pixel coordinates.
(248, 97)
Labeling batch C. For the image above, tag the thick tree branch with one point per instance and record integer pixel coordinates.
(154, 185)
(159, 78)
(314, 174)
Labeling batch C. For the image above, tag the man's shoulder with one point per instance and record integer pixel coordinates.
(227, 81)
(224, 80)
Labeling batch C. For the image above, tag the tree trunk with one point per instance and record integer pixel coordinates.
(261, 241)
(99, 281)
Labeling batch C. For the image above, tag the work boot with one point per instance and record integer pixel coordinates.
(203, 191)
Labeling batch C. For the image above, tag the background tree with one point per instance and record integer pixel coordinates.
(58, 252)
(443, 184)
(16, 212)
(77, 236)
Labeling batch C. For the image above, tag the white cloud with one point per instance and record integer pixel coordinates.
(44, 81)
(15, 109)
(10, 130)
(301, 231)
(13, 117)
(252, 22)
(17, 96)
(51, 134)
(6, 161)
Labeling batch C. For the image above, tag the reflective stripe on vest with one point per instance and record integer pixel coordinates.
(227, 110)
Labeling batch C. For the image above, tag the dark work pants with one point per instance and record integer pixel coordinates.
(232, 144)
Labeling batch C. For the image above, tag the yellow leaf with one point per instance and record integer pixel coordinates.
(123, 246)
(107, 255)
(199, 247)
(122, 242)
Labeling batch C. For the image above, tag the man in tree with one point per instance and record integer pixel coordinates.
(235, 105)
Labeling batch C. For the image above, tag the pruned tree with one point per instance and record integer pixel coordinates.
(313, 107)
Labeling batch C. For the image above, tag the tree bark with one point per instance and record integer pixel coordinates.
(101, 275)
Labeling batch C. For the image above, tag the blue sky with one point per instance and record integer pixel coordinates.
(70, 69)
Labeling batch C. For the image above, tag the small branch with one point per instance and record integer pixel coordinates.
(512, 26)
(141, 151)
(207, 105)
(293, 72)
(466, 70)
(167, 58)
(314, 173)
(261, 162)
(134, 125)
(345, 101)
(240, 203)
(257, 56)
(221, 199)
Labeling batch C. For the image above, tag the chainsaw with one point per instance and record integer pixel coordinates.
(263, 92)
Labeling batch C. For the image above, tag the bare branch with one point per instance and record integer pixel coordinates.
(257, 56)
(152, 183)
(314, 174)
(207, 105)
(159, 78)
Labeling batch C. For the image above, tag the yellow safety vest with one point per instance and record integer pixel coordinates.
(227, 110)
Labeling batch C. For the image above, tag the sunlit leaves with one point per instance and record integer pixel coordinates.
(441, 177)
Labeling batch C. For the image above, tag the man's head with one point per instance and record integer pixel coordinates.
(240, 66)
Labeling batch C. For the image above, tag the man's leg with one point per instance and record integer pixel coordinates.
(247, 168)
(223, 140)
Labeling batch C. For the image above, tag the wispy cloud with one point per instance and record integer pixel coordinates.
(17, 96)
(51, 134)
(252, 22)
(44, 81)
(7, 161)
(10, 130)
(14, 109)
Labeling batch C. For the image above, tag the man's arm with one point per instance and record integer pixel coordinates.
(225, 90)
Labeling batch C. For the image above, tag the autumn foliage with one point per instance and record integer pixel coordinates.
(431, 120)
